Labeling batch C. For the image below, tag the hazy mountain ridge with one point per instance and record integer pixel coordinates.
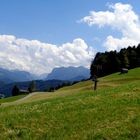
(56, 78)
(69, 73)
(10, 76)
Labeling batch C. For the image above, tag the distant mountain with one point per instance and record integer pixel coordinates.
(69, 73)
(41, 77)
(10, 76)
(40, 86)
(56, 78)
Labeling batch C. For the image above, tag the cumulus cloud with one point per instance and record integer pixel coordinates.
(120, 17)
(38, 57)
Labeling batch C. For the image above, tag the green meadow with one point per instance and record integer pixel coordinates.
(11, 99)
(76, 112)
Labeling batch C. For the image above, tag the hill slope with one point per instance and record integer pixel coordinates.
(77, 112)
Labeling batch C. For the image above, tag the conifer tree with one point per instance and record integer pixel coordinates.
(15, 91)
(32, 87)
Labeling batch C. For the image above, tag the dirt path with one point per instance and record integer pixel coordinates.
(19, 100)
(26, 97)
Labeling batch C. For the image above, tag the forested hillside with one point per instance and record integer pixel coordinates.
(111, 62)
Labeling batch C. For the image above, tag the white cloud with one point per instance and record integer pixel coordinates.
(120, 17)
(112, 43)
(38, 58)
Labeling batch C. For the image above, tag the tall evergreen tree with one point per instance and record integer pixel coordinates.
(124, 58)
(15, 91)
(138, 55)
(32, 87)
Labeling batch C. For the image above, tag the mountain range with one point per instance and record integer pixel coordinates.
(10, 76)
(69, 73)
(62, 73)
(58, 76)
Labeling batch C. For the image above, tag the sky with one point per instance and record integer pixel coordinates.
(39, 35)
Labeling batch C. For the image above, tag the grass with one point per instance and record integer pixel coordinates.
(77, 112)
(11, 99)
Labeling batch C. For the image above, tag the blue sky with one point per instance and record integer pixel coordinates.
(53, 21)
(56, 22)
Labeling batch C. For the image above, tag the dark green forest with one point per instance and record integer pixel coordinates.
(110, 62)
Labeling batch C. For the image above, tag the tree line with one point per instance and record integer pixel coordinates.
(33, 88)
(113, 61)
(17, 91)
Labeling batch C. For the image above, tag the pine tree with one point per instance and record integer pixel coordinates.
(32, 87)
(15, 91)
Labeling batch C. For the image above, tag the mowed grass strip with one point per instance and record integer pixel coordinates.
(111, 113)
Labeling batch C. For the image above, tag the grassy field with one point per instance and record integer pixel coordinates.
(11, 99)
(77, 112)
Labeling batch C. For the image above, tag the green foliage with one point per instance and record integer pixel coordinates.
(15, 91)
(124, 58)
(113, 61)
(77, 112)
(32, 87)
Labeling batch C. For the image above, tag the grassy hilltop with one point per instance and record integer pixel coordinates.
(77, 112)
